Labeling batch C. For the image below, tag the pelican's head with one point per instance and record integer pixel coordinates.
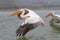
(18, 12)
(48, 15)
(52, 13)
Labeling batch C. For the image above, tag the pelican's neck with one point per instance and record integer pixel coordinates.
(19, 16)
(22, 15)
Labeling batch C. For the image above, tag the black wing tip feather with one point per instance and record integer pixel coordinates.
(22, 30)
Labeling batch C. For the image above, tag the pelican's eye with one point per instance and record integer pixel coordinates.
(26, 12)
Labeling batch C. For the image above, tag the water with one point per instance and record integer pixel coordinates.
(9, 24)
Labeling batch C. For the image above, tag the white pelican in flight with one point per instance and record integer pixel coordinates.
(56, 17)
(31, 21)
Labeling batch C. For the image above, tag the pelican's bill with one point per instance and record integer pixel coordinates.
(16, 13)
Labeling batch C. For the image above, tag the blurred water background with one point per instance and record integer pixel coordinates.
(8, 26)
(32, 4)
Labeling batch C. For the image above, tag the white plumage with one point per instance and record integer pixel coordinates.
(33, 17)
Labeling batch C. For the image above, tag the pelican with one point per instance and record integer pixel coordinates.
(30, 19)
(54, 16)
(54, 22)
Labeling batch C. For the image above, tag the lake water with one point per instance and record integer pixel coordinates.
(9, 24)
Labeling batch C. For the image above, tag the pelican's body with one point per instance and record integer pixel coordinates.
(56, 18)
(33, 17)
(31, 21)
